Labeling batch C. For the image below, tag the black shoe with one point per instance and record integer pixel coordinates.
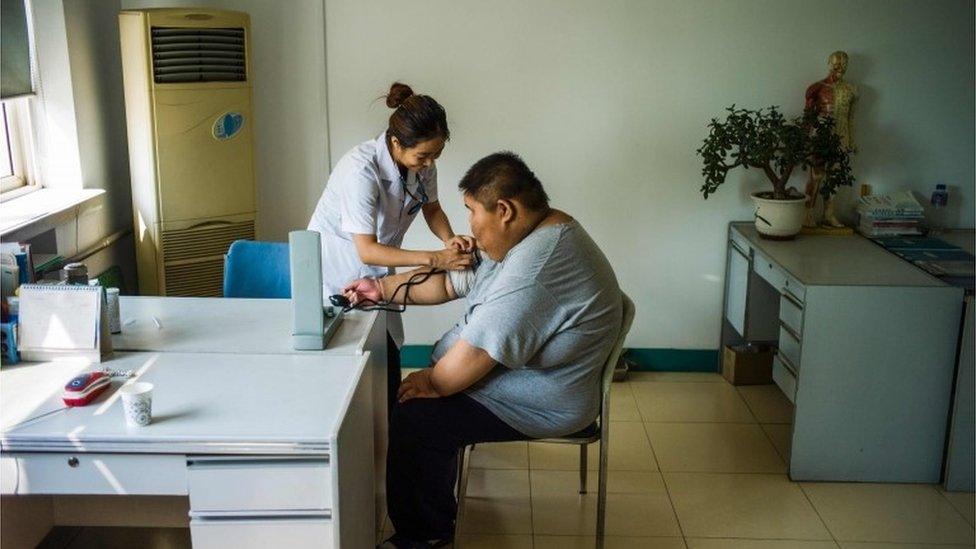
(398, 542)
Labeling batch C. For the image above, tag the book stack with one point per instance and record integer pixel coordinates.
(890, 215)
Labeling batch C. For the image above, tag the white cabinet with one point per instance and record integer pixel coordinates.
(737, 287)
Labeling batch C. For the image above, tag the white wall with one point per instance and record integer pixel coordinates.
(607, 102)
(291, 140)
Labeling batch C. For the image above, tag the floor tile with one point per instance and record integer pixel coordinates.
(679, 377)
(709, 543)
(964, 502)
(497, 502)
(687, 402)
(743, 506)
(909, 513)
(557, 508)
(768, 403)
(713, 448)
(618, 482)
(782, 437)
(623, 407)
(610, 542)
(875, 545)
(630, 450)
(495, 541)
(500, 455)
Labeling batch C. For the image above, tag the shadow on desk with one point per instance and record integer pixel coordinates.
(101, 537)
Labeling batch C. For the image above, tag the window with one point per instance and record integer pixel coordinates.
(15, 149)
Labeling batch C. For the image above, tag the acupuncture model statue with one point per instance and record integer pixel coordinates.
(835, 98)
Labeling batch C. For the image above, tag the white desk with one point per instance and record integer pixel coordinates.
(218, 330)
(233, 325)
(866, 353)
(268, 449)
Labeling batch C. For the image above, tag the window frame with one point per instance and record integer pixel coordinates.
(16, 117)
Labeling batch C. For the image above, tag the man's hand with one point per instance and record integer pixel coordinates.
(461, 243)
(417, 385)
(363, 289)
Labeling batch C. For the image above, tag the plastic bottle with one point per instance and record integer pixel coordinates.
(940, 199)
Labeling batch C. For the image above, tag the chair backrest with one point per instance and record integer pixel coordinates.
(627, 320)
(257, 269)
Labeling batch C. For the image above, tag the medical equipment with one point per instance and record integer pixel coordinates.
(312, 324)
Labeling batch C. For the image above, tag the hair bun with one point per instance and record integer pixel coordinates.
(398, 94)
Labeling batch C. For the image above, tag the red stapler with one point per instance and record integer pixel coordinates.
(85, 388)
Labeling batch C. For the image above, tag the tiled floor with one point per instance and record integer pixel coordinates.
(696, 463)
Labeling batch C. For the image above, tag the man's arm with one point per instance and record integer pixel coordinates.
(434, 289)
(462, 366)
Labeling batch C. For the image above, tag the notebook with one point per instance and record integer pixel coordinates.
(59, 321)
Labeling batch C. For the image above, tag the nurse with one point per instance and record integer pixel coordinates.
(373, 195)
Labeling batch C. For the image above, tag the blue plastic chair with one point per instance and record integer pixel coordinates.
(257, 269)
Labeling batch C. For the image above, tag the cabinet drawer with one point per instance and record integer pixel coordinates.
(791, 313)
(777, 277)
(784, 378)
(789, 348)
(100, 474)
(261, 533)
(229, 484)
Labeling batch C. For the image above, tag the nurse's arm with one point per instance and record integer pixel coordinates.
(372, 252)
(462, 366)
(437, 220)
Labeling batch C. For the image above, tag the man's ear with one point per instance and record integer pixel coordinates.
(505, 210)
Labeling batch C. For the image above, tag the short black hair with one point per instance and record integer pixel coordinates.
(504, 175)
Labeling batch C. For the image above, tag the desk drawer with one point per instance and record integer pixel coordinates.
(262, 533)
(777, 277)
(99, 474)
(789, 348)
(784, 378)
(273, 484)
(791, 313)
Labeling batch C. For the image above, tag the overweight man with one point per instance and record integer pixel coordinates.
(525, 360)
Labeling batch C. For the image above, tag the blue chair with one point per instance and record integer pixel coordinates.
(257, 269)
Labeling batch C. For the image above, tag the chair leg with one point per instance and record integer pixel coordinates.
(583, 466)
(462, 488)
(601, 498)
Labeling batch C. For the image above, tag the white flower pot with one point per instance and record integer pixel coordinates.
(778, 219)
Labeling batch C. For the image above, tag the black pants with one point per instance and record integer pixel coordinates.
(392, 374)
(421, 463)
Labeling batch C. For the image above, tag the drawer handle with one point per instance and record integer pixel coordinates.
(788, 296)
(72, 462)
(787, 364)
(787, 329)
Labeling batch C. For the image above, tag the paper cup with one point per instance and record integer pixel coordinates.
(137, 403)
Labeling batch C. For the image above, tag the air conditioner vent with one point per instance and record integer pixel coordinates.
(198, 55)
(201, 278)
(207, 241)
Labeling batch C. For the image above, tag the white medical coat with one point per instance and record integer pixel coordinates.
(365, 195)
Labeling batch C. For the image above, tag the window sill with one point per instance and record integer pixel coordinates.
(39, 211)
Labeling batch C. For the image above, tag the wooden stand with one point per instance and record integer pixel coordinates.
(828, 230)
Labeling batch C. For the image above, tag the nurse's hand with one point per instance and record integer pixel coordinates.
(461, 242)
(451, 259)
(363, 289)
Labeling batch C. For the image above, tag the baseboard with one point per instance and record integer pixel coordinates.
(646, 359)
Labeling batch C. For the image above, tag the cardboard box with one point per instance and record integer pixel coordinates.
(748, 364)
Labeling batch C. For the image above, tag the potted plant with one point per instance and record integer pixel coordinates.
(766, 140)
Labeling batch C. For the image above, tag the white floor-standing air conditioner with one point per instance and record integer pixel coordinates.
(188, 112)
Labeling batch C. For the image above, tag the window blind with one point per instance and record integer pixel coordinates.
(15, 63)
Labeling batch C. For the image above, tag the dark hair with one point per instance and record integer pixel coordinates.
(416, 118)
(503, 175)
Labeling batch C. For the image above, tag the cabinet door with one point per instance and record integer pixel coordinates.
(736, 287)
